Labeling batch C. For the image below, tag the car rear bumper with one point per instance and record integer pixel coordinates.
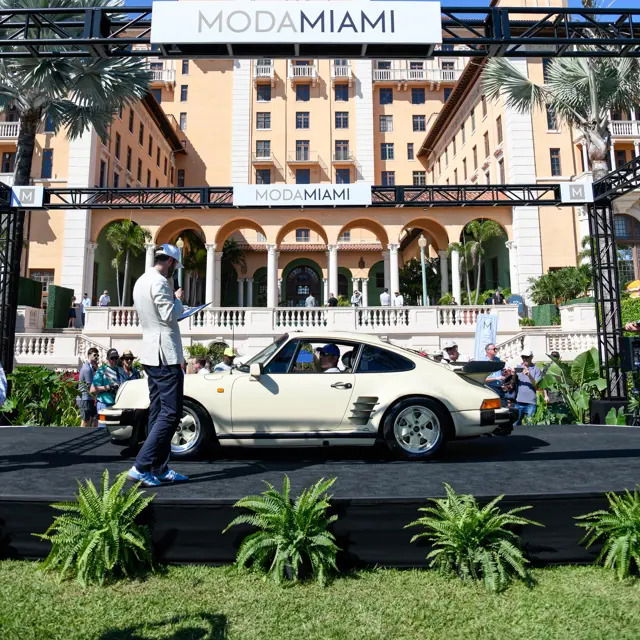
(120, 423)
(476, 422)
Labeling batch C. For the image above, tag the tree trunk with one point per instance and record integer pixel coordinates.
(118, 286)
(598, 147)
(29, 122)
(125, 284)
(478, 277)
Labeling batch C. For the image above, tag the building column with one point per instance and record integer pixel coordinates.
(455, 275)
(394, 272)
(365, 292)
(444, 273)
(325, 289)
(385, 256)
(249, 292)
(612, 156)
(514, 276)
(88, 270)
(209, 286)
(217, 280)
(149, 254)
(241, 292)
(636, 148)
(355, 284)
(585, 156)
(272, 275)
(333, 269)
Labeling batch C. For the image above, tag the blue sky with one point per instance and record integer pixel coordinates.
(453, 3)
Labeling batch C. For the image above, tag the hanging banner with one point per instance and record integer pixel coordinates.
(486, 333)
(301, 195)
(296, 22)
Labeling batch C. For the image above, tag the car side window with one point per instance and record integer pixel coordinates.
(280, 362)
(376, 360)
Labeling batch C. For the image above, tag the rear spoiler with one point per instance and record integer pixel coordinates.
(478, 370)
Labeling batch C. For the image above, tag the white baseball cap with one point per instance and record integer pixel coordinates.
(527, 352)
(170, 250)
(449, 344)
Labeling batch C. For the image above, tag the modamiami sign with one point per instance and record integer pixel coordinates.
(301, 195)
(296, 21)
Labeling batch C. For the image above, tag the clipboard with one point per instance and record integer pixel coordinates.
(191, 310)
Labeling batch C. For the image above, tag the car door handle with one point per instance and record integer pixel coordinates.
(341, 385)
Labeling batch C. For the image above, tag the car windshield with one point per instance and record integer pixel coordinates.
(262, 356)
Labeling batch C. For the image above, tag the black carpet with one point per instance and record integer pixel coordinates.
(562, 471)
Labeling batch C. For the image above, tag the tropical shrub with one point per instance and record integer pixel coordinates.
(213, 351)
(546, 413)
(576, 382)
(527, 322)
(616, 418)
(41, 396)
(96, 538)
(293, 537)
(618, 529)
(474, 542)
(561, 285)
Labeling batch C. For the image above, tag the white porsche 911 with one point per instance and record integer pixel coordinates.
(324, 388)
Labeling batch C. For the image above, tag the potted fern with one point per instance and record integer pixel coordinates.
(293, 538)
(618, 528)
(96, 538)
(474, 542)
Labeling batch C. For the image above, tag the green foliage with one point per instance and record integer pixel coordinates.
(577, 382)
(546, 413)
(473, 542)
(630, 310)
(446, 299)
(561, 285)
(343, 301)
(618, 529)
(213, 351)
(42, 397)
(292, 535)
(616, 418)
(411, 279)
(96, 538)
(527, 322)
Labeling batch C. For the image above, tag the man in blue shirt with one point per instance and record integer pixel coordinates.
(528, 376)
(107, 380)
(495, 380)
(86, 402)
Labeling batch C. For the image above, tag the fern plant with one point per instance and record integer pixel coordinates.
(618, 528)
(96, 538)
(292, 536)
(473, 542)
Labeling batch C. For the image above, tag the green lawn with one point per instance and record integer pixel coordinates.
(200, 603)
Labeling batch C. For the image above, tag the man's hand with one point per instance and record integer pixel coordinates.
(179, 293)
(632, 326)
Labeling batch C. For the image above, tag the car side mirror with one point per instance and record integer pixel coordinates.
(255, 370)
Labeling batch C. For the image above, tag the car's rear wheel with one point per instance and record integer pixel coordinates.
(416, 429)
(195, 435)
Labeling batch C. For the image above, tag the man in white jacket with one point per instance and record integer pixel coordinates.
(162, 356)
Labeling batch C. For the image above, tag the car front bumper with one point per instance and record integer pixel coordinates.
(120, 423)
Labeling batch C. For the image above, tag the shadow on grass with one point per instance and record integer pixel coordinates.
(194, 626)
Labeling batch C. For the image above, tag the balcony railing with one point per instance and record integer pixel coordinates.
(625, 128)
(265, 71)
(303, 72)
(264, 158)
(303, 156)
(340, 71)
(9, 130)
(403, 74)
(343, 155)
(163, 75)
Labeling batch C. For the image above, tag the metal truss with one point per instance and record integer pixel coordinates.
(618, 182)
(222, 197)
(467, 31)
(604, 259)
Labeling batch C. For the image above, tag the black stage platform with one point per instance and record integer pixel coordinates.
(563, 471)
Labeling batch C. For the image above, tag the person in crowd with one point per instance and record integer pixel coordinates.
(127, 370)
(106, 381)
(85, 303)
(162, 357)
(498, 297)
(310, 301)
(104, 300)
(552, 397)
(528, 375)
(385, 298)
(327, 358)
(332, 301)
(226, 364)
(85, 401)
(72, 314)
(398, 299)
(453, 302)
(201, 366)
(494, 381)
(3, 385)
(451, 354)
(356, 298)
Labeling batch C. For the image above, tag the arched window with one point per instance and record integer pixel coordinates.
(627, 230)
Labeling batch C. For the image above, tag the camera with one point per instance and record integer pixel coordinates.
(519, 369)
(113, 388)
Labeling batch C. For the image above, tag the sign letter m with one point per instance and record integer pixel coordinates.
(27, 197)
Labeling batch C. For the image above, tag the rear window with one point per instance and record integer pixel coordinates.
(376, 360)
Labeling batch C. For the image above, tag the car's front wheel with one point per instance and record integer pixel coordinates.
(416, 429)
(195, 435)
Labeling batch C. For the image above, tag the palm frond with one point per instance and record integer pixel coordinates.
(501, 78)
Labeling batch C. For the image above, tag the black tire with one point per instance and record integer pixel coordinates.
(195, 436)
(416, 429)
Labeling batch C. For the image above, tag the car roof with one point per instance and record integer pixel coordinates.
(340, 335)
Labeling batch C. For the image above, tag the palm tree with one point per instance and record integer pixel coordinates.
(480, 232)
(581, 92)
(194, 260)
(73, 93)
(232, 255)
(465, 262)
(115, 263)
(127, 239)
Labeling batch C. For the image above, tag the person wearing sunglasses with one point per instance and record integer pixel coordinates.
(127, 370)
(327, 358)
(106, 381)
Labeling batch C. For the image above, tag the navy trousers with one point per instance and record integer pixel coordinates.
(166, 386)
